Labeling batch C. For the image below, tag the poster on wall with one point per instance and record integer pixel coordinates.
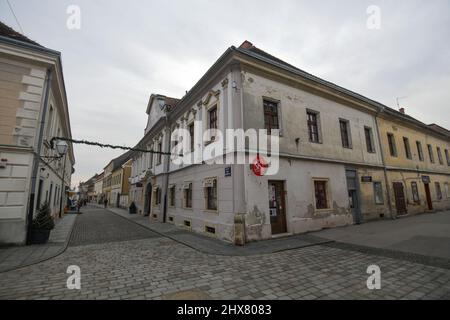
(273, 212)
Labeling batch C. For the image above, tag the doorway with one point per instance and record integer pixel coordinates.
(428, 196)
(400, 201)
(277, 205)
(353, 197)
(147, 199)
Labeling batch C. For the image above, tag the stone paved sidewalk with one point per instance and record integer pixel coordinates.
(215, 246)
(20, 256)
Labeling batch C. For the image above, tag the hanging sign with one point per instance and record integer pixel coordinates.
(259, 166)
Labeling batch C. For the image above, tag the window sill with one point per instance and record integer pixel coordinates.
(327, 210)
(210, 211)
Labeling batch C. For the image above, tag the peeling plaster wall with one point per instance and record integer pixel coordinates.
(369, 209)
(300, 210)
(222, 219)
(414, 208)
(413, 134)
(293, 104)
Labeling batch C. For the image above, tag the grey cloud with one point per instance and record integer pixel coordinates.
(129, 49)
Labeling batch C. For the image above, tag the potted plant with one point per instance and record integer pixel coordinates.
(132, 208)
(42, 225)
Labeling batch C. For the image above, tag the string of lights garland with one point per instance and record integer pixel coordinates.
(102, 145)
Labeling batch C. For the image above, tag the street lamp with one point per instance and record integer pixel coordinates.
(61, 148)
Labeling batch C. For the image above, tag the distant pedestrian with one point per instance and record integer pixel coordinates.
(105, 202)
(78, 206)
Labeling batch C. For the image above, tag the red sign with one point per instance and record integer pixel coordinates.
(259, 166)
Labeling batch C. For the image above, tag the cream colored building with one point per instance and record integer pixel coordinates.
(98, 188)
(33, 110)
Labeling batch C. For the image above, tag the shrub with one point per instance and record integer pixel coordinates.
(132, 208)
(43, 219)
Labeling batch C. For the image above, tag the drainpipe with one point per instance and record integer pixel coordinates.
(386, 181)
(36, 159)
(167, 167)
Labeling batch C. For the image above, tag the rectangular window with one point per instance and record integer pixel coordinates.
(150, 159)
(38, 202)
(172, 196)
(212, 118)
(271, 120)
(407, 148)
(392, 146)
(49, 123)
(56, 195)
(430, 153)
(419, 150)
(158, 155)
(447, 157)
(378, 193)
(191, 134)
(344, 125)
(438, 190)
(320, 188)
(369, 140)
(313, 126)
(211, 194)
(157, 195)
(446, 190)
(188, 195)
(415, 192)
(439, 153)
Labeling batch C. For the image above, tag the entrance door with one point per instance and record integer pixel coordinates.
(148, 199)
(399, 195)
(277, 207)
(352, 187)
(428, 195)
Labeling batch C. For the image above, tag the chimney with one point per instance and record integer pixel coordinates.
(402, 110)
(246, 45)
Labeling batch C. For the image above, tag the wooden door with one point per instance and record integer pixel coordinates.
(428, 195)
(277, 207)
(399, 195)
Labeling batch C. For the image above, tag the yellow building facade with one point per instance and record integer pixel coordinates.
(120, 185)
(417, 161)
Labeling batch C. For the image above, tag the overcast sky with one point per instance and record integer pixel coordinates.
(126, 50)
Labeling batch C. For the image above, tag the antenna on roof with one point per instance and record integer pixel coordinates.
(398, 99)
(15, 17)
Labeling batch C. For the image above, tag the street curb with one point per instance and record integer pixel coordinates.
(59, 252)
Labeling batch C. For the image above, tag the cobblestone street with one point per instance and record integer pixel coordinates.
(122, 260)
